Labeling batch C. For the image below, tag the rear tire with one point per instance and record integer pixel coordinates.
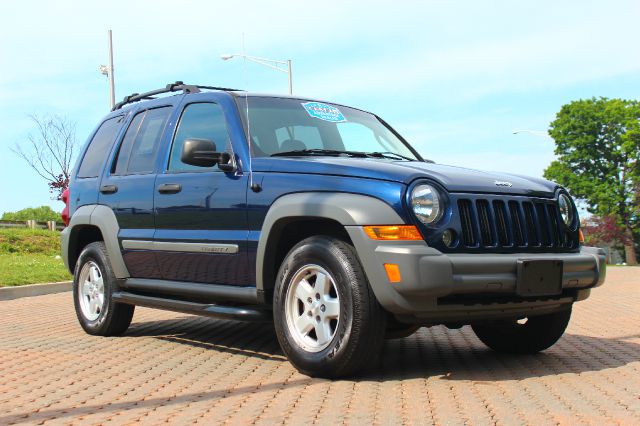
(93, 284)
(536, 334)
(327, 319)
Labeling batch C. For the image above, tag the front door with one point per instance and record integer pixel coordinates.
(200, 213)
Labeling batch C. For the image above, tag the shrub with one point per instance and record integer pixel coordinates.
(40, 214)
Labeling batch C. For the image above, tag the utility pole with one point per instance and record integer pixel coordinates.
(112, 85)
(108, 71)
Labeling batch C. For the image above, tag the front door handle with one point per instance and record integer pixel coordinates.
(169, 188)
(108, 189)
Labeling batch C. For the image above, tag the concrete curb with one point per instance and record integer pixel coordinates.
(10, 293)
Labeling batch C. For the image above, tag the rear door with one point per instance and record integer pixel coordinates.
(89, 170)
(127, 187)
(200, 213)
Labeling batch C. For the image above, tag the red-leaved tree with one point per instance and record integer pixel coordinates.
(607, 231)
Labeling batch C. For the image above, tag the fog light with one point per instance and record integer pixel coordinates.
(393, 272)
(448, 238)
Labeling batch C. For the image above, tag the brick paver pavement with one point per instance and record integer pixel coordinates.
(183, 369)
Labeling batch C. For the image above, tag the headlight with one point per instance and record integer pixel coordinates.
(426, 203)
(566, 209)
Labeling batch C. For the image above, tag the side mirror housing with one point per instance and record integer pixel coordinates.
(203, 153)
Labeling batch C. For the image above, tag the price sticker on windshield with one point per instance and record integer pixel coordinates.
(324, 112)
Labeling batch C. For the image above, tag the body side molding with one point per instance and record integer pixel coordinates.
(180, 246)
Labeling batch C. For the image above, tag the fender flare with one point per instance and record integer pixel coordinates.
(344, 208)
(105, 220)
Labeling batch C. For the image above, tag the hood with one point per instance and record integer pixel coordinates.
(453, 179)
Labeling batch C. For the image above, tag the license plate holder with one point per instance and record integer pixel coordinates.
(539, 277)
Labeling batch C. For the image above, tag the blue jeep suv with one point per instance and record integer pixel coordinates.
(318, 217)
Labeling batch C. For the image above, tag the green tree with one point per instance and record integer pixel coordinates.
(598, 149)
(40, 214)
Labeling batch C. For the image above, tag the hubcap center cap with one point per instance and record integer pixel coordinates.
(317, 308)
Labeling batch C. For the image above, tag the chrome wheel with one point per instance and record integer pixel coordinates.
(91, 291)
(312, 308)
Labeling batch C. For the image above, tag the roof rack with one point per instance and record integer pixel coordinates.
(171, 87)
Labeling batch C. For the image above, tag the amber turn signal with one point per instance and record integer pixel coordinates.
(393, 272)
(580, 236)
(393, 232)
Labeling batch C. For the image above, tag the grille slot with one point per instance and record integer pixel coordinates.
(543, 221)
(532, 233)
(556, 231)
(501, 224)
(516, 223)
(468, 236)
(485, 223)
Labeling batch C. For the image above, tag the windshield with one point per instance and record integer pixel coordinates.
(294, 127)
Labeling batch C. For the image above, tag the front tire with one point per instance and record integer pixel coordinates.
(327, 319)
(93, 284)
(519, 337)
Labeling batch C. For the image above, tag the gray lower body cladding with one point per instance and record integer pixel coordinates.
(439, 288)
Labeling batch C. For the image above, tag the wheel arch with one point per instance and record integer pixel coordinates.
(312, 213)
(89, 224)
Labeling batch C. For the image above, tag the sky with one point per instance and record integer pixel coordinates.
(454, 78)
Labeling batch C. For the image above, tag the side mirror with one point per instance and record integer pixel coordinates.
(203, 153)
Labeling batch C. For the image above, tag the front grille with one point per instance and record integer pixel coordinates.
(516, 223)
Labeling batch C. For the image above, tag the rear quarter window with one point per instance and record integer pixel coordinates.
(99, 147)
(139, 147)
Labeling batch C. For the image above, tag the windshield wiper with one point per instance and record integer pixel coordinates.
(388, 154)
(336, 152)
(305, 152)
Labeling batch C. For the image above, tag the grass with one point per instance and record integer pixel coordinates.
(29, 241)
(20, 269)
(29, 256)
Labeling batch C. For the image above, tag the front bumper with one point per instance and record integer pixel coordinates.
(437, 287)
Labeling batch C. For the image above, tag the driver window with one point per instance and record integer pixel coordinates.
(199, 121)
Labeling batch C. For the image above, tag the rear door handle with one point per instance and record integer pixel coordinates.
(169, 188)
(108, 189)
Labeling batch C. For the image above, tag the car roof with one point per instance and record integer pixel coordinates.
(136, 100)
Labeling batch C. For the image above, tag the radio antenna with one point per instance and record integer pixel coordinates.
(254, 187)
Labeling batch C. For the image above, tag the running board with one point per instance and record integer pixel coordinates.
(193, 291)
(239, 313)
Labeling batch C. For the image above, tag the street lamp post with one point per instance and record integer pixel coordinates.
(270, 63)
(540, 133)
(108, 71)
